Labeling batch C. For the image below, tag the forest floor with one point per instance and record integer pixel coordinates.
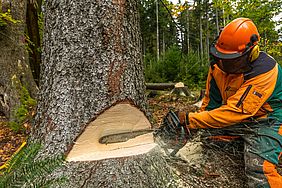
(10, 140)
(201, 163)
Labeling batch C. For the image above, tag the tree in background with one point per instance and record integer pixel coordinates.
(15, 78)
(175, 60)
(167, 29)
(197, 23)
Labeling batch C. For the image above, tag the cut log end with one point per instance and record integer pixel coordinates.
(121, 131)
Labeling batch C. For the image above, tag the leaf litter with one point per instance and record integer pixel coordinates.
(10, 140)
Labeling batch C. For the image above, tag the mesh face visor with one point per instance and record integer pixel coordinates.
(236, 63)
(234, 66)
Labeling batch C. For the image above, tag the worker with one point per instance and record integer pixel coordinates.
(244, 88)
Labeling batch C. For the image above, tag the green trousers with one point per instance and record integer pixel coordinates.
(262, 150)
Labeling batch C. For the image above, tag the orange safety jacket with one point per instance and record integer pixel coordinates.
(235, 98)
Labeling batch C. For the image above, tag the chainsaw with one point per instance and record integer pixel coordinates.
(172, 135)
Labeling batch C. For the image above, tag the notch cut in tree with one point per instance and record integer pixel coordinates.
(121, 131)
(92, 66)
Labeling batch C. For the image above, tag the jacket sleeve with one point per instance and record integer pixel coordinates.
(212, 98)
(242, 105)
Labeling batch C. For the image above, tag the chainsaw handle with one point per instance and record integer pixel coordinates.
(174, 134)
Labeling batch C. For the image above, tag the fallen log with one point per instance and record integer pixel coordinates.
(160, 86)
(175, 88)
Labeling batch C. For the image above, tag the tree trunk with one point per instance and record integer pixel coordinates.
(158, 35)
(201, 36)
(207, 30)
(188, 30)
(223, 15)
(216, 20)
(15, 71)
(92, 89)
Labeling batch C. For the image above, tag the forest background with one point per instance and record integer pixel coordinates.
(176, 35)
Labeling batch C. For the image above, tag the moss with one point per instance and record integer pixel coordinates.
(6, 17)
(24, 112)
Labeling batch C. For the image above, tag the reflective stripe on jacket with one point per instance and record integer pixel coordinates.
(234, 98)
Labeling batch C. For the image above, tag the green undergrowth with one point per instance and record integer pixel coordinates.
(174, 66)
(24, 113)
(23, 170)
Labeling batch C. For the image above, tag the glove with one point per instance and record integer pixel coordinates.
(183, 118)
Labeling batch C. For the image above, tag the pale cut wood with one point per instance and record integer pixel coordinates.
(119, 119)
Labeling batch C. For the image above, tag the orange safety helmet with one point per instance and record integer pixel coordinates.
(234, 45)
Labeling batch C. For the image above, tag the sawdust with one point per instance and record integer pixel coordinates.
(211, 164)
(192, 152)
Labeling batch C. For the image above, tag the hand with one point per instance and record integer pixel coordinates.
(183, 117)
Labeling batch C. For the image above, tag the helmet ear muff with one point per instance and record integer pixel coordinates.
(254, 38)
(254, 53)
(255, 50)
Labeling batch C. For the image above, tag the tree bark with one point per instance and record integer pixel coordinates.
(92, 61)
(201, 35)
(15, 70)
(216, 20)
(207, 29)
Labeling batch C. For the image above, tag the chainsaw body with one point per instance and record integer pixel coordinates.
(172, 135)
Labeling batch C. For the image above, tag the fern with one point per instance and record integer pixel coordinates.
(22, 170)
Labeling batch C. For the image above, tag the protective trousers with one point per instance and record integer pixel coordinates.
(262, 151)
